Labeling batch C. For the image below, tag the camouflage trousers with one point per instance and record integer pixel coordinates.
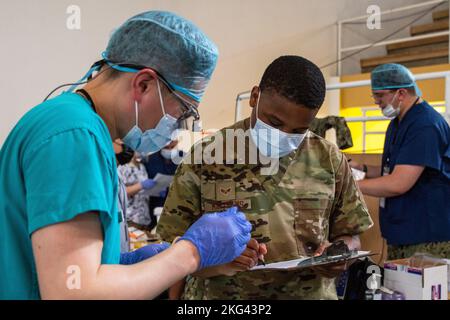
(437, 249)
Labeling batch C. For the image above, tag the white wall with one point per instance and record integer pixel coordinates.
(38, 52)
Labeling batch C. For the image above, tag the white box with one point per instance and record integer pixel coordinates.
(448, 273)
(427, 282)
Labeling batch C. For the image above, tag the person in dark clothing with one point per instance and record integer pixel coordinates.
(164, 162)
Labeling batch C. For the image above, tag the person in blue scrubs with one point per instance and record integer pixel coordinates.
(59, 220)
(413, 182)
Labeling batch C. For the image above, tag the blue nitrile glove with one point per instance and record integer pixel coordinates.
(219, 237)
(143, 253)
(148, 184)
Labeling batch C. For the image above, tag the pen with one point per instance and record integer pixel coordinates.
(261, 261)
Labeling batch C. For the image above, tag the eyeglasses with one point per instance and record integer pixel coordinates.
(188, 109)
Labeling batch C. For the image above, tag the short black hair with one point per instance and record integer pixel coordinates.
(297, 79)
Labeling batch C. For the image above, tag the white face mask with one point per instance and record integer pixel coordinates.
(271, 142)
(170, 154)
(389, 111)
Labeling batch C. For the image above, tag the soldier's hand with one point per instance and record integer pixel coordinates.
(248, 259)
(329, 270)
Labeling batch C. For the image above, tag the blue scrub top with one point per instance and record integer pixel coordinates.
(57, 163)
(422, 214)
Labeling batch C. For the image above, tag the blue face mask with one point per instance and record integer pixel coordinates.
(154, 139)
(271, 142)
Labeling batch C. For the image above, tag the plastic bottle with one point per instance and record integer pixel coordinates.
(373, 292)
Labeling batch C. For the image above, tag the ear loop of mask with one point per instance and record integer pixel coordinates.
(136, 110)
(257, 107)
(393, 98)
(160, 97)
(399, 103)
(136, 105)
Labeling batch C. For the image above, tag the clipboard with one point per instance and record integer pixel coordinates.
(163, 181)
(308, 262)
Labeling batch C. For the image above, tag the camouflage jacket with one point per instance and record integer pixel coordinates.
(312, 198)
(343, 135)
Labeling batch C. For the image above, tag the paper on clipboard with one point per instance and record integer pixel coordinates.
(308, 262)
(163, 181)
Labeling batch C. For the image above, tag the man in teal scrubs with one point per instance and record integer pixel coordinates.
(59, 221)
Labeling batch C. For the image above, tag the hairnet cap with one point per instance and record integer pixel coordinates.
(171, 45)
(393, 76)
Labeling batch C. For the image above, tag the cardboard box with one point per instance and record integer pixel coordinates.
(427, 281)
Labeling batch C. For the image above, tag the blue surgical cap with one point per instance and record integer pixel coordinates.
(177, 49)
(393, 76)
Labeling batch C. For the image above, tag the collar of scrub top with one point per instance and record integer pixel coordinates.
(397, 121)
(190, 110)
(88, 97)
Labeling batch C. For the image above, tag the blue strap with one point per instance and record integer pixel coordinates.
(86, 76)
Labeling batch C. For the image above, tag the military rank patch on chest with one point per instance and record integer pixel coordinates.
(225, 190)
(213, 206)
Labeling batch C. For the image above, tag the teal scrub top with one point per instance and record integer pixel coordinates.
(57, 162)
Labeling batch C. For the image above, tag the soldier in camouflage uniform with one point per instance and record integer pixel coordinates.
(343, 135)
(311, 199)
